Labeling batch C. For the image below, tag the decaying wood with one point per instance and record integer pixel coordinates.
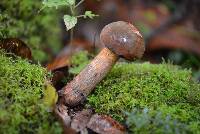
(86, 120)
(61, 112)
(81, 119)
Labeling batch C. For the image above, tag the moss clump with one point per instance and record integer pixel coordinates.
(161, 88)
(21, 89)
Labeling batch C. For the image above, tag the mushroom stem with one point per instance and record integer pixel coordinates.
(80, 87)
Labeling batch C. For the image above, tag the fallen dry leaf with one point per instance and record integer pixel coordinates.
(63, 58)
(103, 124)
(16, 46)
(177, 37)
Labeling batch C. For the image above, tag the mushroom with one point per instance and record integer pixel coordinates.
(121, 39)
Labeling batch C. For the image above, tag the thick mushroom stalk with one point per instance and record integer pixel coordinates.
(121, 39)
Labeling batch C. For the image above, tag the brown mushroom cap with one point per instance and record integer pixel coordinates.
(123, 39)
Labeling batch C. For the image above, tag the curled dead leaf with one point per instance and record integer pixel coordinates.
(16, 46)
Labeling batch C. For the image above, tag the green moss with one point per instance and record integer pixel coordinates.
(20, 19)
(21, 89)
(161, 88)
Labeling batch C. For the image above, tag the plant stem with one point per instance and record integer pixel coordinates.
(41, 9)
(79, 3)
(72, 30)
(72, 10)
(79, 16)
(71, 35)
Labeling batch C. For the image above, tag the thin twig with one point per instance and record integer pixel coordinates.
(72, 30)
(41, 9)
(79, 3)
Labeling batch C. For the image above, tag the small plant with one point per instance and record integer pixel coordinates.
(69, 19)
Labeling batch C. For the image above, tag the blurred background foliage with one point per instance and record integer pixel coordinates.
(21, 19)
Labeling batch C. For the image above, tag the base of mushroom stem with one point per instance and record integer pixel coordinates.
(73, 98)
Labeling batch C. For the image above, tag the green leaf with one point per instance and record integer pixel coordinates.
(89, 14)
(56, 3)
(70, 21)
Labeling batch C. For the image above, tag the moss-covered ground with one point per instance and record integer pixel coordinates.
(163, 88)
(147, 98)
(21, 90)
